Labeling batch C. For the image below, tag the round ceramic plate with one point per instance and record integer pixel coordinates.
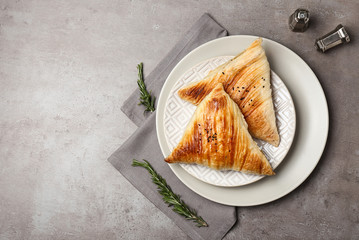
(312, 122)
(179, 112)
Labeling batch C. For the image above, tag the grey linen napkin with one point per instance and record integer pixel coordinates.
(204, 30)
(143, 144)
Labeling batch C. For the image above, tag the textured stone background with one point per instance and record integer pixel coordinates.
(67, 66)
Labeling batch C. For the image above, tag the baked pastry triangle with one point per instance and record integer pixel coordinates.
(246, 78)
(217, 137)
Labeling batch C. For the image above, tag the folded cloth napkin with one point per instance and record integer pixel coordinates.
(204, 30)
(143, 144)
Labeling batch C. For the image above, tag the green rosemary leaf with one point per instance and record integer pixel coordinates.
(145, 98)
(173, 200)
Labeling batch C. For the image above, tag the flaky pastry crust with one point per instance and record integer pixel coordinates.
(246, 78)
(217, 136)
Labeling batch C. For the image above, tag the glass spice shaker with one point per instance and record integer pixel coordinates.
(334, 38)
(299, 20)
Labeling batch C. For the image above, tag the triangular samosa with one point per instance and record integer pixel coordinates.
(246, 78)
(217, 137)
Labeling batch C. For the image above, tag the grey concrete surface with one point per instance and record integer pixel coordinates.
(67, 66)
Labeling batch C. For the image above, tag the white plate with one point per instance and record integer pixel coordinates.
(179, 112)
(312, 122)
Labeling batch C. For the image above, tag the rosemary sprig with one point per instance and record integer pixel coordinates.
(145, 98)
(169, 197)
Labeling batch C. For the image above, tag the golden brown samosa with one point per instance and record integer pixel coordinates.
(246, 78)
(217, 137)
